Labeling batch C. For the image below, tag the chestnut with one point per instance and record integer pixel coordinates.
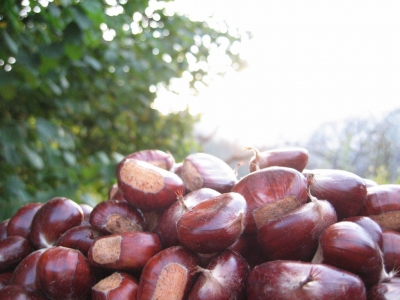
(370, 226)
(291, 157)
(214, 224)
(125, 251)
(388, 290)
(20, 222)
(5, 279)
(3, 229)
(52, 219)
(156, 157)
(115, 216)
(268, 189)
(79, 238)
(20, 292)
(295, 236)
(345, 190)
(348, 246)
(202, 170)
(287, 279)
(86, 209)
(146, 186)
(118, 285)
(224, 278)
(391, 251)
(166, 226)
(168, 275)
(25, 273)
(64, 273)
(13, 249)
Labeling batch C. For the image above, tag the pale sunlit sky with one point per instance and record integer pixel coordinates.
(309, 62)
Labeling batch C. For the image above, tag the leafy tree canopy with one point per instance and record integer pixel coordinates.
(77, 83)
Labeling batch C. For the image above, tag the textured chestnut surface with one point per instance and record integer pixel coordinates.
(224, 278)
(391, 250)
(348, 246)
(303, 281)
(64, 273)
(126, 251)
(295, 236)
(168, 274)
(345, 190)
(54, 218)
(13, 249)
(25, 273)
(268, 185)
(119, 285)
(202, 170)
(115, 216)
(293, 157)
(214, 224)
(20, 222)
(79, 238)
(146, 186)
(166, 226)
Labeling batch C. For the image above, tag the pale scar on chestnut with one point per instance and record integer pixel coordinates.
(118, 224)
(141, 178)
(107, 250)
(171, 282)
(109, 283)
(191, 176)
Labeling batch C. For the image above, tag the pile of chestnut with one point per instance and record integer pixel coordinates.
(194, 230)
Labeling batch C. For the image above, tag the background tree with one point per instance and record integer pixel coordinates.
(77, 83)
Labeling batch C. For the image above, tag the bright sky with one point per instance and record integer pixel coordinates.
(309, 62)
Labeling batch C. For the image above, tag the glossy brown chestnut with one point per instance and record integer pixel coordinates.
(64, 273)
(295, 236)
(166, 226)
(79, 237)
(5, 279)
(86, 209)
(52, 219)
(391, 251)
(214, 224)
(20, 222)
(348, 246)
(168, 274)
(370, 226)
(224, 278)
(115, 216)
(13, 249)
(115, 193)
(202, 170)
(345, 190)
(156, 157)
(146, 186)
(20, 292)
(126, 251)
(388, 290)
(119, 285)
(283, 279)
(25, 273)
(271, 189)
(293, 157)
(383, 205)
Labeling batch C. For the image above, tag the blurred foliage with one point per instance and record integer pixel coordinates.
(77, 81)
(368, 147)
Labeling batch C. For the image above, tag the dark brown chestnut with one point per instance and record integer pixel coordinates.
(168, 275)
(113, 216)
(388, 290)
(146, 186)
(3, 229)
(291, 157)
(370, 226)
(126, 251)
(13, 249)
(20, 292)
(214, 224)
(202, 170)
(156, 157)
(52, 219)
(118, 285)
(5, 279)
(282, 279)
(20, 222)
(391, 251)
(64, 273)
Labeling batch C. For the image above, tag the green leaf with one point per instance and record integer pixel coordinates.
(74, 51)
(54, 51)
(33, 157)
(46, 130)
(80, 18)
(73, 34)
(94, 63)
(12, 46)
